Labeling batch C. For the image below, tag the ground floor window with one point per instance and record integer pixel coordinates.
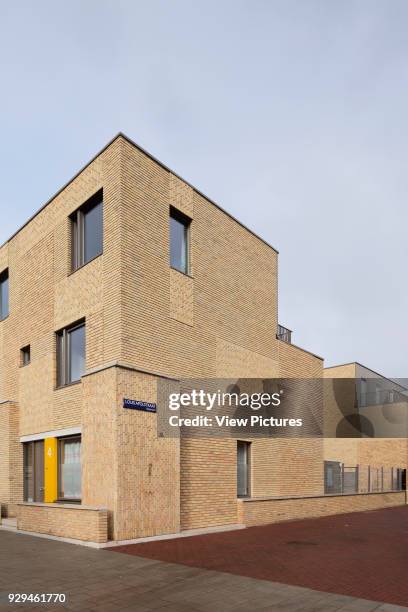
(69, 468)
(67, 465)
(243, 469)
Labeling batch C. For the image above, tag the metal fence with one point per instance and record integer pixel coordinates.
(340, 479)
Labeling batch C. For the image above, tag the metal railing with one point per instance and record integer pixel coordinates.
(340, 479)
(284, 334)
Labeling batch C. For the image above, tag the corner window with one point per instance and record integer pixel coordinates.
(179, 241)
(87, 231)
(25, 355)
(70, 354)
(69, 468)
(4, 295)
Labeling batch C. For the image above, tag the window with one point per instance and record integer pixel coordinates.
(34, 471)
(179, 239)
(69, 468)
(25, 354)
(87, 231)
(70, 354)
(4, 295)
(243, 467)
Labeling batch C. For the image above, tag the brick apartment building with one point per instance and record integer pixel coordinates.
(129, 276)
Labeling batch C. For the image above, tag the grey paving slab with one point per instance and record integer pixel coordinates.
(105, 581)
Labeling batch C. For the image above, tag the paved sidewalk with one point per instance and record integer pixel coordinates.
(362, 554)
(104, 581)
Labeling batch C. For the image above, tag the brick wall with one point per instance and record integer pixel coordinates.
(127, 468)
(44, 297)
(11, 468)
(298, 363)
(178, 325)
(261, 512)
(208, 482)
(287, 467)
(76, 522)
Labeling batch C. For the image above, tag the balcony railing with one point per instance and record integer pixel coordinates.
(284, 334)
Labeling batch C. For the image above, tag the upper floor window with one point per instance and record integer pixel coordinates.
(87, 231)
(179, 241)
(4, 295)
(70, 354)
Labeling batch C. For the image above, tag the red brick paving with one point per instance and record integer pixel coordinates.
(362, 554)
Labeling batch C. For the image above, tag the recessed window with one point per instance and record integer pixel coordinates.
(69, 468)
(25, 354)
(87, 231)
(4, 295)
(70, 354)
(179, 241)
(243, 469)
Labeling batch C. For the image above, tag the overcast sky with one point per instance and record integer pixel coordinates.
(291, 115)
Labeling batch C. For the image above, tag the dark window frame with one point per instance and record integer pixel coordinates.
(63, 348)
(25, 355)
(78, 231)
(35, 478)
(4, 309)
(248, 468)
(61, 441)
(183, 219)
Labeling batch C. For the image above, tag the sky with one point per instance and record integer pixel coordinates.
(290, 114)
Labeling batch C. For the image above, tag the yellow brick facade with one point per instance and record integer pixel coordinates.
(145, 323)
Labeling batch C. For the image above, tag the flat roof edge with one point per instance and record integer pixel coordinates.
(300, 348)
(357, 363)
(155, 159)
